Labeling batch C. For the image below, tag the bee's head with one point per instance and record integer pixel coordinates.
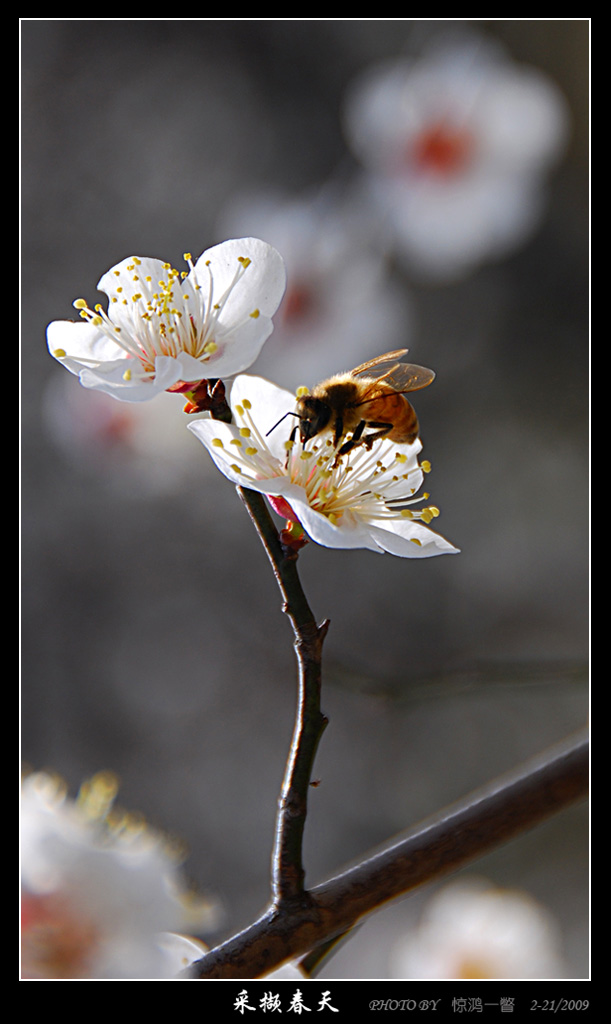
(313, 414)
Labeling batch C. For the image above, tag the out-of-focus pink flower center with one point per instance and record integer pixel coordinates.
(55, 941)
(299, 303)
(441, 149)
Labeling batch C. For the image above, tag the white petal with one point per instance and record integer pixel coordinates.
(269, 403)
(80, 341)
(110, 379)
(241, 348)
(349, 532)
(262, 286)
(130, 273)
(523, 119)
(208, 431)
(409, 539)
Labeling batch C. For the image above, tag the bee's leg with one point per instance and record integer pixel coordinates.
(380, 430)
(357, 437)
(339, 430)
(292, 436)
(354, 440)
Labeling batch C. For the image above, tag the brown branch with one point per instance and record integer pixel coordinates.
(288, 873)
(484, 820)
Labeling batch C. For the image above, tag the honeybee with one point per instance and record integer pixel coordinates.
(369, 398)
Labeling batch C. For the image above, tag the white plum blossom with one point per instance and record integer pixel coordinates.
(167, 329)
(362, 499)
(100, 890)
(456, 143)
(472, 929)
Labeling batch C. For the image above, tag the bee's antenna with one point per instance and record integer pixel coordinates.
(280, 421)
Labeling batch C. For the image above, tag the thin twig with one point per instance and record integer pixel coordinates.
(288, 873)
(484, 820)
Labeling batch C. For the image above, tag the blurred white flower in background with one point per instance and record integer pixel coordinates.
(471, 929)
(341, 303)
(356, 500)
(140, 448)
(165, 329)
(99, 889)
(456, 143)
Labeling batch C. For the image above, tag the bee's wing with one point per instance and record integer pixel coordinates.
(408, 377)
(402, 377)
(380, 365)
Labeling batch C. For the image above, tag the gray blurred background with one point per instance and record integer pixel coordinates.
(153, 639)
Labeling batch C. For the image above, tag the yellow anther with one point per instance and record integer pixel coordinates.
(79, 304)
(217, 443)
(187, 256)
(302, 391)
(236, 441)
(255, 314)
(405, 512)
(415, 540)
(247, 403)
(127, 375)
(425, 466)
(245, 261)
(245, 431)
(401, 456)
(235, 468)
(251, 451)
(59, 353)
